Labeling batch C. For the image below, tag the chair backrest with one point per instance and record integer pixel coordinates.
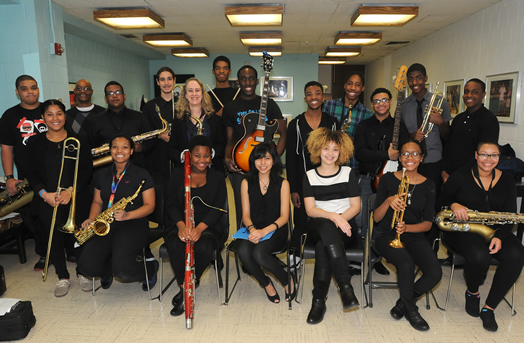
(371, 208)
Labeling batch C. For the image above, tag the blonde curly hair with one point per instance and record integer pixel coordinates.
(182, 105)
(321, 137)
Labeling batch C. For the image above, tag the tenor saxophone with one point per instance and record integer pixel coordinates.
(11, 203)
(102, 222)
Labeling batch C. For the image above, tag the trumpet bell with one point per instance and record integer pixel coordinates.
(396, 243)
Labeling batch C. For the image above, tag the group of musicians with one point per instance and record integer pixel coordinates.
(335, 151)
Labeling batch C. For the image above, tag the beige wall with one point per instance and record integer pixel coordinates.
(486, 43)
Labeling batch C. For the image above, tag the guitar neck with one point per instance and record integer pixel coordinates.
(263, 103)
(396, 128)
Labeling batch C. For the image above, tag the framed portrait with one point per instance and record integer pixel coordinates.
(233, 83)
(280, 88)
(453, 94)
(503, 95)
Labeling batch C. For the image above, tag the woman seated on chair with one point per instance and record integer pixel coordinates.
(332, 200)
(209, 233)
(265, 211)
(117, 253)
(484, 188)
(419, 209)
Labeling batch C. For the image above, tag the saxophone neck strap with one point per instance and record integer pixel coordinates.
(114, 186)
(477, 177)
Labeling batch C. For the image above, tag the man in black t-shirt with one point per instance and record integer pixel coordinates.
(18, 125)
(76, 115)
(247, 101)
(223, 93)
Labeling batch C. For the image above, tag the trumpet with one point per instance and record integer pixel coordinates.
(427, 126)
(399, 215)
(71, 146)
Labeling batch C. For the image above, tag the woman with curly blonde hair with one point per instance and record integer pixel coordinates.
(194, 111)
(332, 200)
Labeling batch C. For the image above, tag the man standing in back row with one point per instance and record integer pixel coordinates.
(223, 92)
(76, 115)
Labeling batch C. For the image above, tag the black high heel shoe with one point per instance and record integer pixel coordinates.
(273, 298)
(290, 297)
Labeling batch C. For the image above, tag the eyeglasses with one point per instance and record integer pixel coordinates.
(87, 89)
(494, 157)
(111, 93)
(378, 101)
(413, 154)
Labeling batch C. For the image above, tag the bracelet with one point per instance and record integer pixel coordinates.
(278, 227)
(250, 226)
(41, 192)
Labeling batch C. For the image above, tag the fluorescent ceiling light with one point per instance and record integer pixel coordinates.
(258, 52)
(130, 18)
(384, 15)
(172, 39)
(190, 52)
(254, 15)
(331, 60)
(357, 38)
(261, 38)
(342, 52)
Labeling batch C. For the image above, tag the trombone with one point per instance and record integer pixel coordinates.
(427, 126)
(71, 151)
(399, 215)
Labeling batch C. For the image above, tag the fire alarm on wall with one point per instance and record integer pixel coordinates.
(57, 49)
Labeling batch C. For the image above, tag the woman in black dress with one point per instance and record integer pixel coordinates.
(265, 211)
(210, 186)
(484, 188)
(419, 210)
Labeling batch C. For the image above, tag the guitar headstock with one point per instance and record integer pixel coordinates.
(400, 82)
(267, 62)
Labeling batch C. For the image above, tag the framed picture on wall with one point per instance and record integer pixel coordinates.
(429, 87)
(280, 88)
(453, 94)
(503, 95)
(233, 83)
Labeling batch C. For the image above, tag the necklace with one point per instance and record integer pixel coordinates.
(266, 185)
(413, 190)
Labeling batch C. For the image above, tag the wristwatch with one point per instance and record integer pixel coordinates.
(7, 177)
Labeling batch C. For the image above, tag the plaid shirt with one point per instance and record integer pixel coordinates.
(340, 111)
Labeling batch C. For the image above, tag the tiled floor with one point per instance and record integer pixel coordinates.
(123, 313)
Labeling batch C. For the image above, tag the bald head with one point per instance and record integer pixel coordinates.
(83, 93)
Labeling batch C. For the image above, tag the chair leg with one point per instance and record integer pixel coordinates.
(160, 294)
(94, 290)
(302, 269)
(428, 306)
(227, 294)
(145, 269)
(289, 276)
(449, 286)
(513, 311)
(217, 274)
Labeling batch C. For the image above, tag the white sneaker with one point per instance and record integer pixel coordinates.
(62, 287)
(85, 284)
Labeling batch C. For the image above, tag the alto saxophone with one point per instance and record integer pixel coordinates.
(11, 203)
(477, 223)
(102, 223)
(347, 122)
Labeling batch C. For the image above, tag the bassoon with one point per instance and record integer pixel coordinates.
(189, 274)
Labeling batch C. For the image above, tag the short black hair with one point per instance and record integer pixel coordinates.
(50, 102)
(200, 140)
(380, 90)
(161, 70)
(480, 82)
(313, 83)
(359, 74)
(223, 59)
(248, 66)
(24, 78)
(121, 135)
(260, 151)
(417, 67)
(488, 141)
(113, 83)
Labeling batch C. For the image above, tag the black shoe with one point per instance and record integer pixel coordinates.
(71, 259)
(40, 265)
(349, 300)
(290, 297)
(381, 269)
(413, 316)
(488, 320)
(318, 309)
(397, 312)
(106, 282)
(152, 278)
(178, 308)
(472, 304)
(178, 298)
(273, 298)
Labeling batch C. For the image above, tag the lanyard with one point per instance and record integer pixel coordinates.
(476, 175)
(114, 186)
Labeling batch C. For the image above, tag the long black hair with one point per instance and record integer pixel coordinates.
(260, 151)
(50, 102)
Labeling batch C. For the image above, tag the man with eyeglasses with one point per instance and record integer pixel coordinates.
(18, 125)
(373, 147)
(117, 118)
(469, 128)
(76, 115)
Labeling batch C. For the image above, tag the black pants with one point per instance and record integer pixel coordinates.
(254, 257)
(475, 251)
(118, 253)
(417, 252)
(324, 233)
(203, 253)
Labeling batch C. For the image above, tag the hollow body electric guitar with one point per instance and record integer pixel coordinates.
(389, 165)
(256, 130)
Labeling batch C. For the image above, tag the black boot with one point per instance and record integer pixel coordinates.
(472, 304)
(178, 303)
(318, 309)
(413, 316)
(339, 266)
(397, 312)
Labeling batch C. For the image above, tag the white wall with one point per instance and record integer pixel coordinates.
(486, 43)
